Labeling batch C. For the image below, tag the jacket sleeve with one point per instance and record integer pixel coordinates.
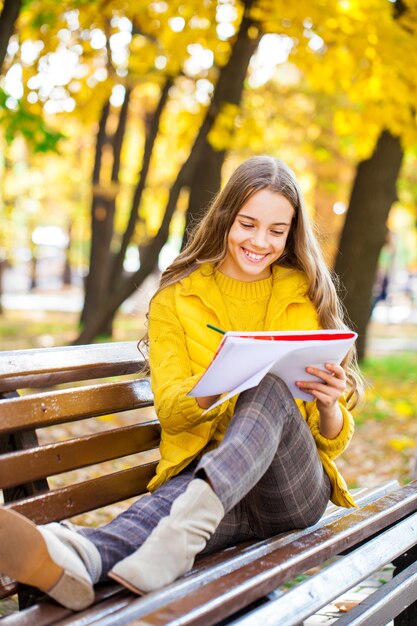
(171, 377)
(332, 447)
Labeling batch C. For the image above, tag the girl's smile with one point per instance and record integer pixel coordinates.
(253, 256)
(258, 236)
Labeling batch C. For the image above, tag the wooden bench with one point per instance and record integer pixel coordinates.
(241, 585)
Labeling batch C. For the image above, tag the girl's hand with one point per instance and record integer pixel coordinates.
(327, 394)
(329, 391)
(206, 401)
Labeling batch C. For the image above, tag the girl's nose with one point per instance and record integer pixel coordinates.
(259, 240)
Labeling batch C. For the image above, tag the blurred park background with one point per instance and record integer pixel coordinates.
(120, 119)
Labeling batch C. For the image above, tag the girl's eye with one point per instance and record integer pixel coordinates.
(246, 225)
(277, 232)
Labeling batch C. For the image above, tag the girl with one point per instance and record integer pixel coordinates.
(258, 464)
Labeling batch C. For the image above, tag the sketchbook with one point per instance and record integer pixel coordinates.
(244, 358)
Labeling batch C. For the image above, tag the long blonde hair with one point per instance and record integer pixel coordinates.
(208, 243)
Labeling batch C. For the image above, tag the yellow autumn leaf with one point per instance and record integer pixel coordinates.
(402, 443)
(111, 417)
(404, 409)
(222, 133)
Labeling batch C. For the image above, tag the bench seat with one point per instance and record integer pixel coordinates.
(50, 391)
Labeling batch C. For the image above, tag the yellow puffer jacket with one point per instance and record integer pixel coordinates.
(181, 348)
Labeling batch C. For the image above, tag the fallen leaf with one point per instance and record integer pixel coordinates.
(346, 606)
(402, 443)
(404, 409)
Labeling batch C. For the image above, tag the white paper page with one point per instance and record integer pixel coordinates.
(248, 384)
(238, 361)
(291, 367)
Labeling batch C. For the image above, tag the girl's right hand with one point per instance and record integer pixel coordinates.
(206, 401)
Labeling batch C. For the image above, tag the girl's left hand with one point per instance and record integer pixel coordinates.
(329, 391)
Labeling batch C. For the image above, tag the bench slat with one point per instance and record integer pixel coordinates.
(231, 592)
(18, 468)
(92, 494)
(35, 381)
(42, 367)
(57, 407)
(108, 604)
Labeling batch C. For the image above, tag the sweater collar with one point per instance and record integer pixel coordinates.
(289, 286)
(252, 290)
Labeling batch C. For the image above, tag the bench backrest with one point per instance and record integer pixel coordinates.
(72, 384)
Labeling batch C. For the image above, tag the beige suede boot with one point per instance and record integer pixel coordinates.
(51, 558)
(171, 548)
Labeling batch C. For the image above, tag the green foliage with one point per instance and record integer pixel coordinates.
(39, 136)
(391, 369)
(41, 18)
(26, 4)
(294, 582)
(391, 392)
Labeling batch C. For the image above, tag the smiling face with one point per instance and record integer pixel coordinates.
(258, 236)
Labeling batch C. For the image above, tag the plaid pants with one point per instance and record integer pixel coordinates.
(266, 472)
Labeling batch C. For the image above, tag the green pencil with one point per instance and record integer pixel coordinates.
(218, 330)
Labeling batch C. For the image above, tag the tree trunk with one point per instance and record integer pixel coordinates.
(33, 271)
(128, 286)
(186, 175)
(8, 17)
(205, 185)
(151, 134)
(98, 250)
(363, 235)
(102, 216)
(3, 265)
(207, 176)
(67, 273)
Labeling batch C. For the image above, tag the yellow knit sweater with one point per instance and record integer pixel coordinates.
(181, 348)
(246, 303)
